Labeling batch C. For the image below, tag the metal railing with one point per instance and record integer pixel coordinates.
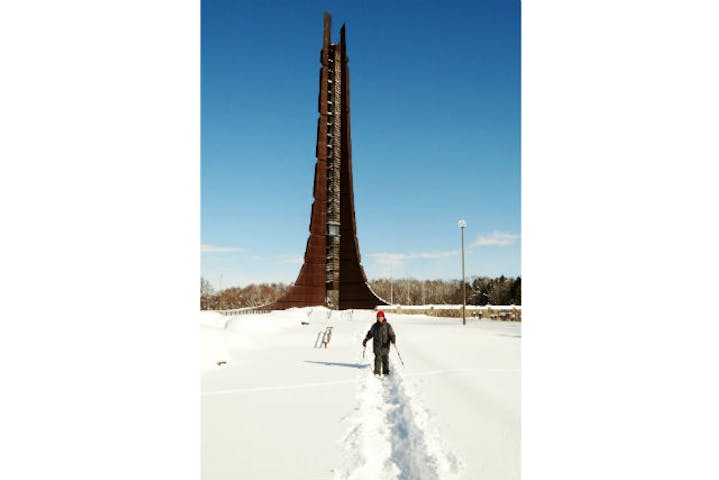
(243, 311)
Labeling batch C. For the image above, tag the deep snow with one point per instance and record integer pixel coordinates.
(282, 408)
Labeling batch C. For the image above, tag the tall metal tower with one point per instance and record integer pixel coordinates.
(331, 274)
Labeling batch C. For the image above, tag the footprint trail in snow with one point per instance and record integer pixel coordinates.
(391, 436)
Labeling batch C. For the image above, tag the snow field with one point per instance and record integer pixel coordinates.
(281, 408)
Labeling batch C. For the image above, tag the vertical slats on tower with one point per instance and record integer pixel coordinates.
(334, 161)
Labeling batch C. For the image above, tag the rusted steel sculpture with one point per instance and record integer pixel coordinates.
(331, 274)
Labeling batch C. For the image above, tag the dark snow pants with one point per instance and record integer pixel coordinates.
(381, 359)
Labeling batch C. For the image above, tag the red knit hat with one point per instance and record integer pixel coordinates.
(380, 313)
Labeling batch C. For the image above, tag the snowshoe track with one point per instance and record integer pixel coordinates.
(391, 436)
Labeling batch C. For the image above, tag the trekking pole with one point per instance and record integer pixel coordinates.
(400, 356)
(363, 349)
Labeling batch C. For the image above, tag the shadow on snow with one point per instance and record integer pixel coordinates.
(337, 364)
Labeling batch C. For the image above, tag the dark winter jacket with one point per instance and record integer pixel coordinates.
(381, 335)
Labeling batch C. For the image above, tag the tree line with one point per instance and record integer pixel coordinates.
(403, 291)
(479, 291)
(236, 297)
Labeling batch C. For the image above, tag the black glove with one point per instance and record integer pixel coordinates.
(392, 342)
(364, 342)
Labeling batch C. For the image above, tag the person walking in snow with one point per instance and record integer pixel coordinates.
(382, 334)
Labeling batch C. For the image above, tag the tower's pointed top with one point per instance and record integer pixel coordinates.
(343, 45)
(326, 40)
(328, 26)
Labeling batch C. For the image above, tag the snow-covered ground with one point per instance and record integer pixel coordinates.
(282, 408)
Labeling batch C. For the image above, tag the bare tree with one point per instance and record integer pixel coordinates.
(206, 292)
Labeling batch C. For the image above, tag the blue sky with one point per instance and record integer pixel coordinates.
(435, 112)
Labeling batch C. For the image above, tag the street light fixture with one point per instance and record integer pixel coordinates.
(462, 224)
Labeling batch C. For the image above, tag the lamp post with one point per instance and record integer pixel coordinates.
(462, 224)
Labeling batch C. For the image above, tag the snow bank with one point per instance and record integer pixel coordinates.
(452, 307)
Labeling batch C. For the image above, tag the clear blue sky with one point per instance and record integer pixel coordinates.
(435, 112)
